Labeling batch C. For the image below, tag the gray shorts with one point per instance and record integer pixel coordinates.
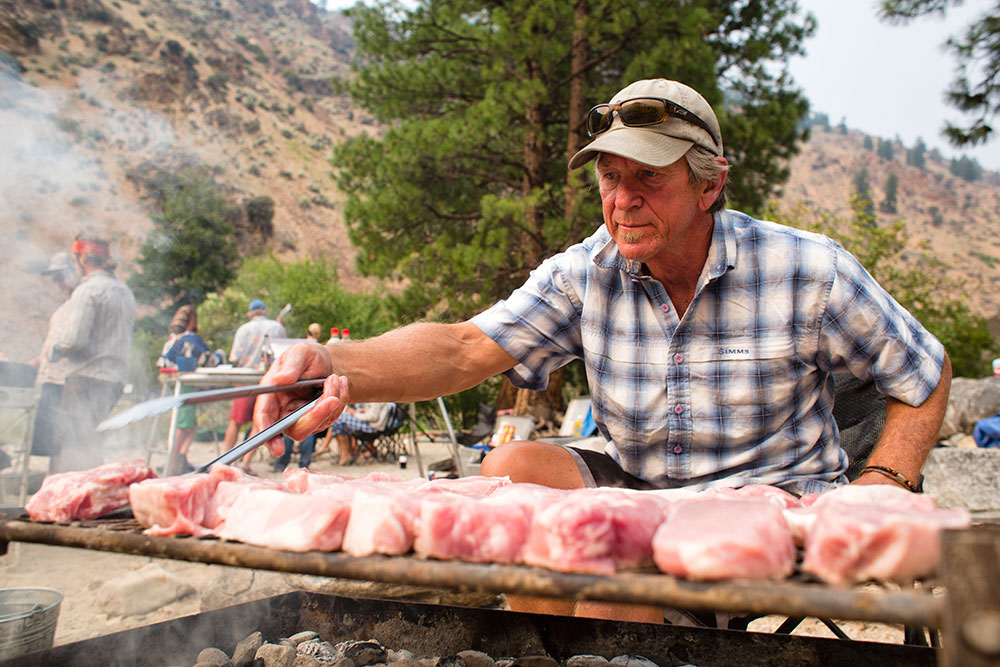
(599, 469)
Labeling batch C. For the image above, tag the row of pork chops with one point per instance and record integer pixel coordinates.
(851, 534)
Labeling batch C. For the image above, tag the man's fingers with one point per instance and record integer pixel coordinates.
(303, 361)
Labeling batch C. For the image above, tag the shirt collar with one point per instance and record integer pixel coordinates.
(721, 254)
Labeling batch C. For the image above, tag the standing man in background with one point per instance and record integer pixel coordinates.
(246, 354)
(95, 343)
(52, 374)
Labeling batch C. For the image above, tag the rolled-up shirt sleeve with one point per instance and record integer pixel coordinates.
(538, 325)
(865, 329)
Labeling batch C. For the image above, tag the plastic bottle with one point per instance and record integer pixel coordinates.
(345, 334)
(266, 353)
(334, 335)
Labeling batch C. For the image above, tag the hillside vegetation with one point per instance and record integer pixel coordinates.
(99, 97)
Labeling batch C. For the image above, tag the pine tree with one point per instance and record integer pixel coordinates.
(467, 189)
(916, 156)
(888, 204)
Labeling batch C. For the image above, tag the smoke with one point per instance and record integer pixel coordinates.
(64, 170)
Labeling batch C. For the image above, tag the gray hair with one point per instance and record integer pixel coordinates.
(703, 168)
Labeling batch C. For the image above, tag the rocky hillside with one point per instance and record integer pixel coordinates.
(955, 220)
(96, 96)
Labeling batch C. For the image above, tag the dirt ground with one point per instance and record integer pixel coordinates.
(97, 599)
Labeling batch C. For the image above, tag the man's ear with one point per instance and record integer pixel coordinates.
(713, 190)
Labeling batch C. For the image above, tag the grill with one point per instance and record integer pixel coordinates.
(964, 614)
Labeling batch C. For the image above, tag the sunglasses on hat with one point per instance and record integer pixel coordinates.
(642, 112)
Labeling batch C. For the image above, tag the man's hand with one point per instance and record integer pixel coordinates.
(875, 478)
(304, 361)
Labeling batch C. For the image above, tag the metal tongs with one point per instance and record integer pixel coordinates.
(255, 441)
(165, 403)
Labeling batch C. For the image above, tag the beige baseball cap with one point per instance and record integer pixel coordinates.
(656, 145)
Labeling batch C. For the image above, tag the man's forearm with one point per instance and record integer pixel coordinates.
(911, 432)
(418, 362)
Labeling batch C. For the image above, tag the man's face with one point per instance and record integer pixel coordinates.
(650, 212)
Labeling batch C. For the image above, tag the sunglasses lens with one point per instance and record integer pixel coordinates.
(642, 112)
(599, 119)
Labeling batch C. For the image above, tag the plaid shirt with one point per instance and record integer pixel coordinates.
(737, 392)
(95, 339)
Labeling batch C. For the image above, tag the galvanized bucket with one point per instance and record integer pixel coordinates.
(27, 620)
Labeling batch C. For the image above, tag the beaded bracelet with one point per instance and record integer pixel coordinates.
(894, 475)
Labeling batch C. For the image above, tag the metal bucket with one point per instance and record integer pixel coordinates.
(27, 620)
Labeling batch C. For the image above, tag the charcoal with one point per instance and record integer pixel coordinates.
(246, 650)
(323, 651)
(362, 652)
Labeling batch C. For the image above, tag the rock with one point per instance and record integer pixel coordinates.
(587, 661)
(318, 648)
(140, 592)
(214, 656)
(247, 649)
(275, 655)
(303, 636)
(307, 661)
(476, 659)
(632, 661)
(970, 400)
(964, 477)
(528, 661)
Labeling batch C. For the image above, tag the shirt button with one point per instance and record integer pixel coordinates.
(665, 307)
(678, 449)
(678, 409)
(678, 358)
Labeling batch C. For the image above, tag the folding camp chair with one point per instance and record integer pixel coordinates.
(389, 443)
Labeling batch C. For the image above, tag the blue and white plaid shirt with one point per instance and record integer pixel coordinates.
(739, 391)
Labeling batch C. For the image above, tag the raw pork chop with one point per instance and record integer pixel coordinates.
(491, 529)
(851, 542)
(722, 538)
(282, 520)
(86, 494)
(801, 519)
(173, 505)
(383, 519)
(595, 531)
(226, 493)
(780, 497)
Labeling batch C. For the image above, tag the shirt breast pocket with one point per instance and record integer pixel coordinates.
(746, 388)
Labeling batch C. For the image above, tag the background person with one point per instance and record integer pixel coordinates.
(709, 338)
(183, 351)
(52, 374)
(95, 344)
(246, 354)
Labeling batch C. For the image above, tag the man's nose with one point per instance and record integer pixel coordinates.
(627, 195)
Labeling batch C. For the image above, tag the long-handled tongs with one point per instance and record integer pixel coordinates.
(255, 441)
(165, 403)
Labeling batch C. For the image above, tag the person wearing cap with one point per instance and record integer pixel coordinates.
(183, 352)
(709, 338)
(51, 373)
(246, 354)
(95, 344)
(314, 331)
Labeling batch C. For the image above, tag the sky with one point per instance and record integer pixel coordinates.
(884, 80)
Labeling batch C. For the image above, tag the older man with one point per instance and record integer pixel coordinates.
(94, 341)
(709, 338)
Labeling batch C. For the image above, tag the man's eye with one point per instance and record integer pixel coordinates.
(649, 173)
